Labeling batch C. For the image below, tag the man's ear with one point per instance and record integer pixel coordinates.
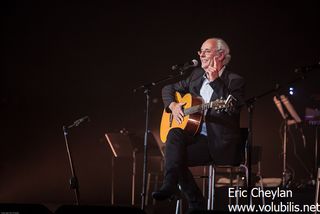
(221, 55)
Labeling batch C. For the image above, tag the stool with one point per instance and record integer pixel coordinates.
(153, 177)
(238, 169)
(156, 181)
(211, 180)
(179, 204)
(241, 168)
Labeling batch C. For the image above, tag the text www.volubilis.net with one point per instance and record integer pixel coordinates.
(275, 207)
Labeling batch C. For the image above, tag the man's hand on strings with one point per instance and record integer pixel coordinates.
(177, 112)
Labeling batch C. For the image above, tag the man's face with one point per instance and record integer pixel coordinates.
(207, 52)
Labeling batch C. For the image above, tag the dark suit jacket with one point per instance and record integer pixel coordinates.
(223, 128)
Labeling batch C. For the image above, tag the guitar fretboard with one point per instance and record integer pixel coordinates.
(197, 108)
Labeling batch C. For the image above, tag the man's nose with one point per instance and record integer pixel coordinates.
(202, 55)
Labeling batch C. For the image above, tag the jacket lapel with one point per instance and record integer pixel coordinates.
(197, 84)
(224, 78)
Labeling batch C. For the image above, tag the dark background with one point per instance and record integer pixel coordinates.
(62, 60)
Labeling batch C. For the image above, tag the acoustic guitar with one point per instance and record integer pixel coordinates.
(193, 113)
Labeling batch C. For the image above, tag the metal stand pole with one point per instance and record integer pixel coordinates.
(73, 180)
(112, 180)
(284, 164)
(145, 156)
(316, 152)
(249, 149)
(317, 170)
(133, 177)
(317, 189)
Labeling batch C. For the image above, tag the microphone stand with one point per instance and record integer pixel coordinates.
(146, 89)
(316, 161)
(284, 146)
(73, 181)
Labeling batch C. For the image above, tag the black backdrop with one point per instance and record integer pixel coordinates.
(64, 60)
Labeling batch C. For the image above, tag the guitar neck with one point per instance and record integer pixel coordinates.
(198, 108)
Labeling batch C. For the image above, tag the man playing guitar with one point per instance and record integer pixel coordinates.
(218, 138)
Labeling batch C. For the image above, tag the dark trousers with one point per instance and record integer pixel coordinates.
(183, 150)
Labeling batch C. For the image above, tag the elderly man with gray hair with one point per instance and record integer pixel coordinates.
(217, 139)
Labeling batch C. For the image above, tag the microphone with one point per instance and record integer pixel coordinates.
(306, 68)
(79, 121)
(185, 66)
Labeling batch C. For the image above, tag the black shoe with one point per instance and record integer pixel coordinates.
(165, 192)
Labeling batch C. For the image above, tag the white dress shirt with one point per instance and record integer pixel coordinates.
(206, 93)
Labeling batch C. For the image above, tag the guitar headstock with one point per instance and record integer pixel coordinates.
(230, 103)
(226, 105)
(218, 105)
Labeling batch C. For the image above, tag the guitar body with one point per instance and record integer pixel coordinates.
(191, 123)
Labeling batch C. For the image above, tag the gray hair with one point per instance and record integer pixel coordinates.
(222, 45)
